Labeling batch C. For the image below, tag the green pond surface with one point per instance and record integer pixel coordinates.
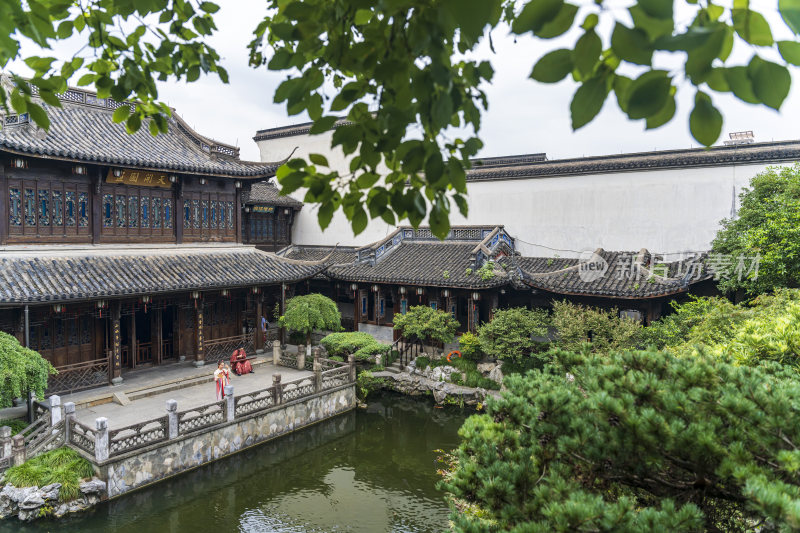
(372, 470)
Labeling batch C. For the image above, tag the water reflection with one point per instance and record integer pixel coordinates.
(369, 471)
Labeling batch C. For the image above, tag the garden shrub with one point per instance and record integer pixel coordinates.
(309, 313)
(604, 329)
(368, 352)
(426, 324)
(509, 335)
(366, 384)
(470, 346)
(629, 442)
(16, 424)
(345, 343)
(62, 465)
(21, 370)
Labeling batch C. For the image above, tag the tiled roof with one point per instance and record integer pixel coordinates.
(338, 256)
(78, 275)
(521, 167)
(85, 133)
(433, 263)
(266, 193)
(627, 275)
(291, 130)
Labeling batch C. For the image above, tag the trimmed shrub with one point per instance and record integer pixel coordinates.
(347, 342)
(470, 346)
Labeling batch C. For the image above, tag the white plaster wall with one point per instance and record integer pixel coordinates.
(305, 229)
(665, 211)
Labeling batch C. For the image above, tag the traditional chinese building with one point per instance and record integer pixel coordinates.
(121, 251)
(477, 269)
(268, 217)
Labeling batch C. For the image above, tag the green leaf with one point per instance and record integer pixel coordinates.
(621, 86)
(665, 114)
(590, 21)
(319, 159)
(752, 27)
(654, 27)
(472, 16)
(587, 52)
(660, 9)
(359, 220)
(322, 124)
(535, 15)
(648, 93)
(367, 180)
(325, 214)
(790, 11)
(209, 7)
(740, 84)
(631, 45)
(705, 121)
(442, 110)
(562, 23)
(553, 67)
(717, 81)
(588, 101)
(771, 82)
(38, 115)
(790, 51)
(121, 114)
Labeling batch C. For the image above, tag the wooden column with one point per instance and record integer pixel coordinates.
(96, 206)
(132, 344)
(283, 310)
(258, 340)
(177, 337)
(116, 344)
(199, 354)
(156, 326)
(4, 207)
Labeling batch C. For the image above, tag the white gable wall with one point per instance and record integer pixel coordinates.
(665, 211)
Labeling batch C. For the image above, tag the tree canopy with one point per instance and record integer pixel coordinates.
(402, 72)
(766, 227)
(426, 324)
(636, 441)
(509, 335)
(21, 370)
(309, 313)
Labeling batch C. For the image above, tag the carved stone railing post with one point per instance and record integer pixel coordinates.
(231, 404)
(69, 416)
(301, 357)
(276, 354)
(276, 387)
(317, 374)
(17, 449)
(351, 362)
(101, 439)
(5, 442)
(55, 410)
(378, 359)
(172, 419)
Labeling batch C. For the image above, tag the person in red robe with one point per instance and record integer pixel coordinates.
(239, 363)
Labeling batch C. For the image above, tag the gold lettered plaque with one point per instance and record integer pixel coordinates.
(142, 178)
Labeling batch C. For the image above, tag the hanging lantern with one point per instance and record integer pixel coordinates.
(202, 181)
(173, 178)
(256, 290)
(446, 293)
(476, 296)
(420, 291)
(237, 184)
(116, 172)
(401, 290)
(375, 288)
(145, 301)
(57, 308)
(225, 292)
(79, 170)
(195, 296)
(100, 306)
(354, 287)
(18, 162)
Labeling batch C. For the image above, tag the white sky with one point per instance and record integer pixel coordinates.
(523, 117)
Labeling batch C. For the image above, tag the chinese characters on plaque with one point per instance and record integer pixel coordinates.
(143, 178)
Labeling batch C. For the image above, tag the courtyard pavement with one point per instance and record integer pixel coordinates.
(190, 397)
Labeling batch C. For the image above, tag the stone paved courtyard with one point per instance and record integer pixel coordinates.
(189, 397)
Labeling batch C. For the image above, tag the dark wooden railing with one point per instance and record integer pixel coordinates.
(221, 349)
(79, 376)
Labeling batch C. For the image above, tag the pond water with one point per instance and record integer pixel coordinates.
(372, 470)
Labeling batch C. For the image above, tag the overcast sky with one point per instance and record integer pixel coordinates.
(523, 116)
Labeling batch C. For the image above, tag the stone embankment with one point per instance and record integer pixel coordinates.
(30, 503)
(436, 382)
